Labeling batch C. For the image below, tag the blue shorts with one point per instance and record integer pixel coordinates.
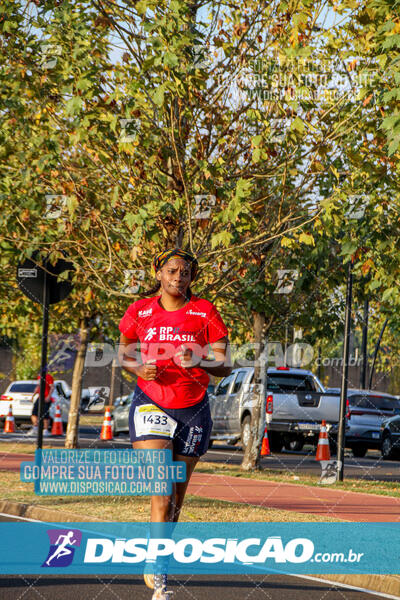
(188, 428)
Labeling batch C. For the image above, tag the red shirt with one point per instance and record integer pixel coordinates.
(162, 332)
(49, 382)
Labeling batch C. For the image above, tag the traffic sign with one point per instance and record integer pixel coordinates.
(37, 279)
(31, 279)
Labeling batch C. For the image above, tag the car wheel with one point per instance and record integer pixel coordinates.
(233, 441)
(359, 450)
(294, 445)
(387, 447)
(275, 442)
(114, 432)
(245, 431)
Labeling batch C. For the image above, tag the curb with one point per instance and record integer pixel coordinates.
(385, 584)
(41, 513)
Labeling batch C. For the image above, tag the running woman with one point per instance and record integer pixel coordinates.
(174, 329)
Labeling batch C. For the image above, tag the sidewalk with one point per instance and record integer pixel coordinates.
(318, 500)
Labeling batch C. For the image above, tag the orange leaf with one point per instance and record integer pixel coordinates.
(367, 100)
(367, 266)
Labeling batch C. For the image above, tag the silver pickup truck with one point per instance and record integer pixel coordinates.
(296, 399)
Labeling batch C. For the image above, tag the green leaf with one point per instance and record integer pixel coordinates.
(243, 188)
(141, 7)
(375, 283)
(256, 140)
(297, 125)
(72, 204)
(349, 248)
(389, 122)
(170, 59)
(224, 238)
(394, 145)
(130, 219)
(307, 238)
(84, 84)
(287, 242)
(158, 95)
(391, 41)
(387, 294)
(73, 105)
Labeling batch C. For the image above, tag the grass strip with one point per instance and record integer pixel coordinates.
(137, 508)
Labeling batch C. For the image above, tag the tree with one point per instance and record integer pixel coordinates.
(129, 128)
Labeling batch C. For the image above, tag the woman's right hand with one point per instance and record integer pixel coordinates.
(147, 371)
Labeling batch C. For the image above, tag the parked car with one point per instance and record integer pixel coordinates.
(120, 415)
(390, 437)
(366, 410)
(19, 395)
(296, 400)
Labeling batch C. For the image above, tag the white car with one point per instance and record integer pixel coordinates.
(19, 395)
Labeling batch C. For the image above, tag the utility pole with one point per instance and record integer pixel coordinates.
(364, 347)
(378, 345)
(345, 372)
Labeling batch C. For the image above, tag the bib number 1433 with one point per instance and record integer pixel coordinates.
(151, 420)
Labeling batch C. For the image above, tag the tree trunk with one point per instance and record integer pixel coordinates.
(251, 458)
(71, 439)
(112, 386)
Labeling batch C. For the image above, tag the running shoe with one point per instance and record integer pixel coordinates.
(160, 587)
(161, 594)
(32, 431)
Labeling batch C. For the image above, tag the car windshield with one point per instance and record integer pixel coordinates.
(386, 403)
(277, 382)
(22, 388)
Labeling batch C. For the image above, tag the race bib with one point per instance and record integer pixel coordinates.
(151, 420)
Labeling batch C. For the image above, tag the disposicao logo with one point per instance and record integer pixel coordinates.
(191, 550)
(62, 547)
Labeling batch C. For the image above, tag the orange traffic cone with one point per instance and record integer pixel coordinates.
(323, 451)
(57, 427)
(9, 425)
(265, 451)
(106, 431)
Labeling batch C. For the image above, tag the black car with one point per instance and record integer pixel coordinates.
(366, 410)
(390, 437)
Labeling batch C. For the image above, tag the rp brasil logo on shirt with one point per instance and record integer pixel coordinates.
(62, 547)
(169, 334)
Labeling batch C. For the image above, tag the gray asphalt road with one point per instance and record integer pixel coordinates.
(195, 587)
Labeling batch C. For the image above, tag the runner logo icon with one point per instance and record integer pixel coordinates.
(150, 333)
(61, 551)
